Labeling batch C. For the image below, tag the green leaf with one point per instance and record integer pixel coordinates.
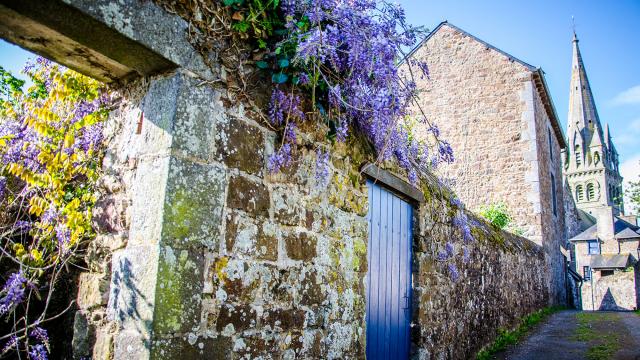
(262, 64)
(279, 78)
(229, 2)
(283, 63)
(241, 26)
(278, 50)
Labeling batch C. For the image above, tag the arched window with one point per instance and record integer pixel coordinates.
(591, 192)
(578, 156)
(579, 192)
(596, 158)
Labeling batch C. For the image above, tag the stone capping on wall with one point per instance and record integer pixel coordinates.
(388, 179)
(64, 33)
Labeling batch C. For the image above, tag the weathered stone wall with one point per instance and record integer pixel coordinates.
(211, 252)
(478, 98)
(552, 212)
(498, 286)
(618, 291)
(488, 106)
(202, 253)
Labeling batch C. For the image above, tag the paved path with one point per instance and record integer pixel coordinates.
(575, 335)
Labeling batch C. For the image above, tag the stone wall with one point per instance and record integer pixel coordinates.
(498, 285)
(552, 212)
(203, 253)
(477, 98)
(618, 291)
(488, 106)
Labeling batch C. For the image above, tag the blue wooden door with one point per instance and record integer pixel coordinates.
(389, 275)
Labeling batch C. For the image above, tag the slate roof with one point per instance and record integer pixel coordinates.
(621, 229)
(610, 261)
(590, 234)
(625, 230)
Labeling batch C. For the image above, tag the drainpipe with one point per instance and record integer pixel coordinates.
(593, 304)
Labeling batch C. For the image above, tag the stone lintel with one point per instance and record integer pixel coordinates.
(403, 188)
(71, 37)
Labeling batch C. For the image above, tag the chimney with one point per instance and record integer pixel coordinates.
(604, 218)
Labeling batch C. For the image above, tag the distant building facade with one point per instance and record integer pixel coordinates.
(497, 113)
(605, 253)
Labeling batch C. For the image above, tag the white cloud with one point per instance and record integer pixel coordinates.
(629, 96)
(630, 171)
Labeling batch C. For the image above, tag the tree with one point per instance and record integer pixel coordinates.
(50, 147)
(633, 192)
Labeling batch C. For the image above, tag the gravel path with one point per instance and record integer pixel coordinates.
(574, 335)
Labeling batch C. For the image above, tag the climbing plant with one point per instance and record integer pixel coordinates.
(337, 63)
(50, 149)
(341, 65)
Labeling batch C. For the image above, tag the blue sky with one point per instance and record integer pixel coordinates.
(539, 33)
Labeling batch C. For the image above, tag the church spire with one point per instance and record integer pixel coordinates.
(591, 162)
(583, 115)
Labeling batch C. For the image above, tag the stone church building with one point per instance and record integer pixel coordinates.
(606, 252)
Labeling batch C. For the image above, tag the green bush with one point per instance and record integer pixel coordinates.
(497, 214)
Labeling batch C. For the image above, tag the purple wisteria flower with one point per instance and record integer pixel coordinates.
(454, 275)
(456, 202)
(279, 159)
(49, 215)
(3, 187)
(450, 249)
(11, 343)
(351, 48)
(322, 167)
(13, 292)
(38, 352)
(22, 226)
(63, 235)
(40, 334)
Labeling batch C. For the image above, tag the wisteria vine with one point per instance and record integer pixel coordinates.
(50, 146)
(337, 62)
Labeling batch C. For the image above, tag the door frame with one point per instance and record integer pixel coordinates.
(414, 197)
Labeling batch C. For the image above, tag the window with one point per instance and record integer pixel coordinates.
(579, 193)
(606, 272)
(550, 143)
(591, 192)
(578, 156)
(553, 195)
(596, 158)
(586, 272)
(594, 247)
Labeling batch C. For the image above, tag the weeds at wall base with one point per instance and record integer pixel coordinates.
(510, 337)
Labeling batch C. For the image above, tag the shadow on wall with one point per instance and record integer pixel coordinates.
(124, 287)
(609, 303)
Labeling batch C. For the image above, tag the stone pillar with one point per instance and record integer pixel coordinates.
(165, 145)
(162, 193)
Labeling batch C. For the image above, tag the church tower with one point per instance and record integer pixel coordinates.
(591, 160)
